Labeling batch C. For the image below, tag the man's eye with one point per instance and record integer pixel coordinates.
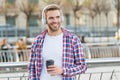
(51, 18)
(58, 16)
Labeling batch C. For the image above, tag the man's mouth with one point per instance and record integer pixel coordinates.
(55, 25)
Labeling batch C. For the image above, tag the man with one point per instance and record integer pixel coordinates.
(58, 44)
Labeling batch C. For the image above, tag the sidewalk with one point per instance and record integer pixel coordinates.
(102, 73)
(107, 72)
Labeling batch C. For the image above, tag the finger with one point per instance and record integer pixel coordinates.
(51, 69)
(53, 73)
(51, 66)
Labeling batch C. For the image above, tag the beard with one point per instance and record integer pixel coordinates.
(54, 27)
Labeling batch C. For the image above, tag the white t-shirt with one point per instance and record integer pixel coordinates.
(52, 49)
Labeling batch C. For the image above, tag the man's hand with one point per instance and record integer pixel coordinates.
(54, 70)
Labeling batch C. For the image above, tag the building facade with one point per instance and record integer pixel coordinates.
(27, 13)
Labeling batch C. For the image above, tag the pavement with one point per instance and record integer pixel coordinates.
(102, 73)
(94, 73)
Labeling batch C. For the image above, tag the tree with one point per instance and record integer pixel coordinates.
(8, 8)
(76, 6)
(28, 9)
(106, 7)
(2, 6)
(52, 2)
(96, 8)
(91, 12)
(116, 4)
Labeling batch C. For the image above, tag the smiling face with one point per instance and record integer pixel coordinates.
(53, 20)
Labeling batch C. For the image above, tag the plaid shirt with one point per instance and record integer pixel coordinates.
(73, 59)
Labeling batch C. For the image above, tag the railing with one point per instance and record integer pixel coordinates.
(85, 30)
(14, 55)
(18, 32)
(102, 51)
(15, 78)
(16, 63)
(90, 63)
(91, 52)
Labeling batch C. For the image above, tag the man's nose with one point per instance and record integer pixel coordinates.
(55, 19)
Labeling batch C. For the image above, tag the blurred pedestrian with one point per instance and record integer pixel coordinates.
(21, 47)
(5, 46)
(83, 39)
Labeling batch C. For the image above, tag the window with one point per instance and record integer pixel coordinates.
(67, 19)
(11, 1)
(10, 20)
(33, 21)
(33, 1)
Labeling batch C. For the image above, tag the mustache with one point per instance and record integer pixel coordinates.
(54, 23)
